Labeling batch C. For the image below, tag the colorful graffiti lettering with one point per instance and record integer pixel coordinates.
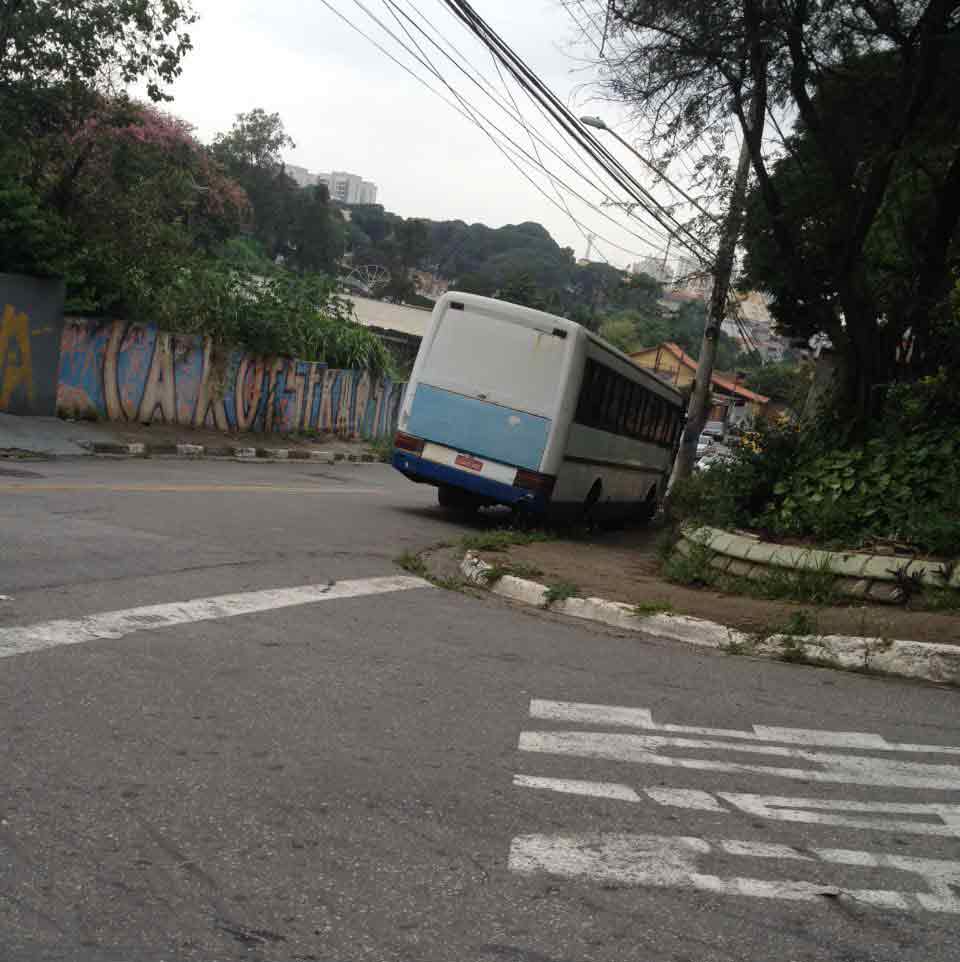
(16, 360)
(134, 372)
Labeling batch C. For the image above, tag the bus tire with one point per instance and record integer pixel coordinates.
(647, 509)
(590, 502)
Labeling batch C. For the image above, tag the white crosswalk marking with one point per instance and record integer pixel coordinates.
(664, 861)
(19, 639)
(617, 716)
(841, 758)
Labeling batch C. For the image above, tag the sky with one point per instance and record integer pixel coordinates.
(348, 107)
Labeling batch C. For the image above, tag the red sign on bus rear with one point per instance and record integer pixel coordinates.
(465, 461)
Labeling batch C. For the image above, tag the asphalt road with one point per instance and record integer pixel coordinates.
(404, 775)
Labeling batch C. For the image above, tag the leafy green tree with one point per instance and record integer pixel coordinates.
(49, 49)
(317, 233)
(687, 65)
(520, 289)
(782, 381)
(907, 289)
(250, 153)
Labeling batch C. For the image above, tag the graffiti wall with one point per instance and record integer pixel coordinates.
(133, 372)
(31, 311)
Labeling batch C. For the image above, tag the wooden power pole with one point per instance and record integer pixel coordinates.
(722, 271)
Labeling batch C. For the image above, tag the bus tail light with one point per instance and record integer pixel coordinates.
(534, 481)
(407, 442)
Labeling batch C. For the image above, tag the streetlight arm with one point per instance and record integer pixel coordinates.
(600, 124)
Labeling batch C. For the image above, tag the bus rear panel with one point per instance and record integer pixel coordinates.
(481, 405)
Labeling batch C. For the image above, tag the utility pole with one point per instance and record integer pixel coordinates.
(723, 268)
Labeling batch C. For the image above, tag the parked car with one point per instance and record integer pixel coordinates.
(704, 443)
(716, 455)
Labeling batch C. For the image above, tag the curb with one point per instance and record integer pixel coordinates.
(906, 659)
(858, 566)
(232, 452)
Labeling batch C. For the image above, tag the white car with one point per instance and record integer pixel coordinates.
(714, 457)
(704, 444)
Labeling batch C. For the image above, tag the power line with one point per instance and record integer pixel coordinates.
(468, 111)
(589, 144)
(515, 114)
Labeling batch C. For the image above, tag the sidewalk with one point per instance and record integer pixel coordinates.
(53, 437)
(624, 567)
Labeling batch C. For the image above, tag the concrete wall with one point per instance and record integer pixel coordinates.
(120, 371)
(30, 317)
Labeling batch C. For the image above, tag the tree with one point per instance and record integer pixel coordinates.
(53, 55)
(250, 153)
(520, 289)
(782, 381)
(895, 254)
(317, 234)
(690, 63)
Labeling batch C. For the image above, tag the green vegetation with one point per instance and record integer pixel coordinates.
(516, 568)
(646, 609)
(900, 484)
(141, 219)
(412, 562)
(381, 448)
(499, 539)
(854, 233)
(560, 591)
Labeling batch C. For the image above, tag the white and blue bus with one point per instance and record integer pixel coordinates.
(508, 405)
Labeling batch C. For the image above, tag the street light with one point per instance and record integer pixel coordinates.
(600, 124)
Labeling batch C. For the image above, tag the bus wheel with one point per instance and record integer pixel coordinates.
(648, 508)
(453, 499)
(590, 502)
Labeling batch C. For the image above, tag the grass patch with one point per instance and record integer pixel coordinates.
(800, 623)
(693, 567)
(560, 591)
(516, 568)
(647, 608)
(412, 561)
(936, 599)
(499, 539)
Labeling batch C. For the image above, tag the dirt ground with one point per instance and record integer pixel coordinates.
(623, 566)
(177, 434)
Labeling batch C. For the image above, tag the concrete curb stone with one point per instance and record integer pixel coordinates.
(116, 449)
(847, 564)
(907, 659)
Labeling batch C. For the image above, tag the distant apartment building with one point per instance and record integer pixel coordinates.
(655, 267)
(348, 188)
(755, 330)
(301, 175)
(343, 187)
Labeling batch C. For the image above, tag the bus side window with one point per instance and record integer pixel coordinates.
(586, 403)
(636, 428)
(610, 399)
(630, 410)
(626, 405)
(657, 423)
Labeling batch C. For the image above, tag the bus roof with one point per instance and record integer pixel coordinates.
(534, 317)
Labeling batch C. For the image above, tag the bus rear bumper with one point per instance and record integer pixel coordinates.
(430, 472)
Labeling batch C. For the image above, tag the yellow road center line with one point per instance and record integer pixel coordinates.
(28, 487)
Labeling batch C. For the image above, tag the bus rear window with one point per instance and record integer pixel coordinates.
(478, 354)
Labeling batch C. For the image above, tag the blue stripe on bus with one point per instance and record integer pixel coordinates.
(420, 469)
(479, 427)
